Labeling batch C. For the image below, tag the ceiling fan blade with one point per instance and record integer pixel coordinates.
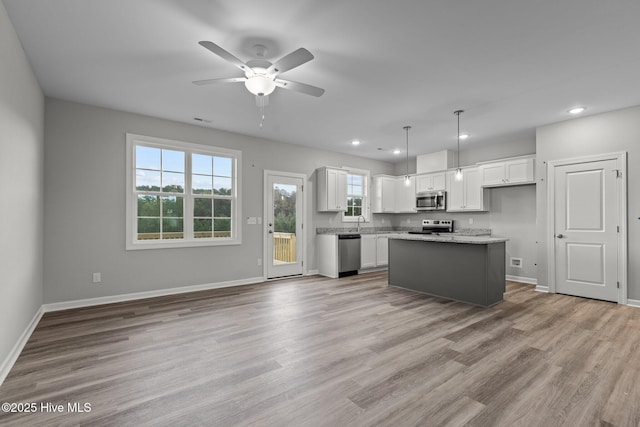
(299, 87)
(211, 81)
(292, 60)
(225, 55)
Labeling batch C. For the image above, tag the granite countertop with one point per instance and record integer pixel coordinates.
(451, 238)
(400, 231)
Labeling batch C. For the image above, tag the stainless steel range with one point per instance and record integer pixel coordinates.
(435, 226)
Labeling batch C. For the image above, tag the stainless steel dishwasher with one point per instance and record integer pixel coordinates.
(348, 254)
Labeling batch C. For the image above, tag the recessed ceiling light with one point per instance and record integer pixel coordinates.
(464, 135)
(355, 142)
(576, 110)
(396, 151)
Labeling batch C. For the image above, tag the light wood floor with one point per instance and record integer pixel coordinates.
(323, 352)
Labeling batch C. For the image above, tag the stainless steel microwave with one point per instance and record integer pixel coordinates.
(431, 201)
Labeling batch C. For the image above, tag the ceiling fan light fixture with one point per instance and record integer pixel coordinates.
(576, 110)
(464, 136)
(260, 85)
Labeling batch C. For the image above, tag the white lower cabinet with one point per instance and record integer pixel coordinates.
(382, 251)
(368, 250)
(327, 245)
(374, 251)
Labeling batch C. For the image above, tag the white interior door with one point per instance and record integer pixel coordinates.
(284, 224)
(586, 224)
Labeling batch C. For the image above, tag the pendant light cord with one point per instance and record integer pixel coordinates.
(457, 113)
(406, 128)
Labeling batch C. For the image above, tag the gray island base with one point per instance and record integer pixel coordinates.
(466, 270)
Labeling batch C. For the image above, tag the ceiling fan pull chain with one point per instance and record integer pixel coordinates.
(261, 103)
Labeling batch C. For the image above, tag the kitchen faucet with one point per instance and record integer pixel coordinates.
(363, 220)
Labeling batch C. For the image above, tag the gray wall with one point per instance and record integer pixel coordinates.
(85, 204)
(21, 159)
(599, 134)
(471, 154)
(513, 209)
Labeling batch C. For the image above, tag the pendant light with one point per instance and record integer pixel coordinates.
(458, 175)
(407, 178)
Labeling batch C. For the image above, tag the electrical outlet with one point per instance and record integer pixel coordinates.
(97, 278)
(516, 262)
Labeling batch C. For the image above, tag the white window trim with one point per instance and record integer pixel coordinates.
(366, 208)
(131, 223)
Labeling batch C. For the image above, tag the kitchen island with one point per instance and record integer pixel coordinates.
(470, 269)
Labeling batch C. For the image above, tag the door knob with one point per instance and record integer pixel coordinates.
(270, 231)
(559, 236)
(270, 224)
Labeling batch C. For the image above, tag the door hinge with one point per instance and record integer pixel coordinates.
(618, 228)
(618, 285)
(302, 188)
(618, 173)
(303, 266)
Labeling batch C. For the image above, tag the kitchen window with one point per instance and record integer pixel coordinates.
(357, 200)
(181, 194)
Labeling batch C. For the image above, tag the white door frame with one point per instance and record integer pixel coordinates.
(621, 190)
(265, 204)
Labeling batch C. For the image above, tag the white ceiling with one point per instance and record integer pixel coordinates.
(512, 65)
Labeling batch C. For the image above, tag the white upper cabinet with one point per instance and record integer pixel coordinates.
(436, 162)
(391, 195)
(431, 182)
(384, 190)
(508, 172)
(405, 195)
(467, 194)
(332, 189)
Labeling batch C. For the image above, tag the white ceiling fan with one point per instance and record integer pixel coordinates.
(261, 76)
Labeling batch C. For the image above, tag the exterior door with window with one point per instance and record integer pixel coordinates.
(284, 224)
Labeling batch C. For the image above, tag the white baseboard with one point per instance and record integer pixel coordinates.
(57, 306)
(633, 302)
(529, 280)
(312, 272)
(10, 360)
(542, 288)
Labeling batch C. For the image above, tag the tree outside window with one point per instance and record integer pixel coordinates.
(356, 196)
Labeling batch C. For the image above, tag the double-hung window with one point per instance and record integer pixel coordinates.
(181, 194)
(357, 196)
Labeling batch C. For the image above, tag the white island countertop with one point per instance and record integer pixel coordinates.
(476, 240)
